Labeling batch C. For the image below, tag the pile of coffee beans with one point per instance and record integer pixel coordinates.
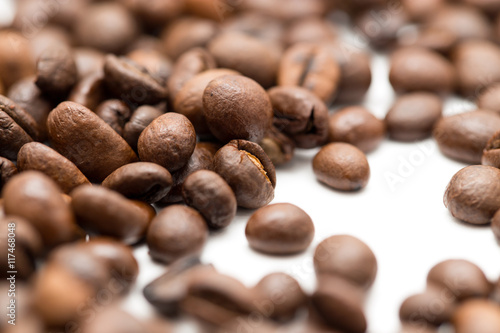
(134, 122)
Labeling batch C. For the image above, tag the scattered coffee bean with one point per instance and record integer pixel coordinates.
(432, 308)
(115, 113)
(19, 116)
(491, 152)
(477, 316)
(7, 171)
(356, 74)
(421, 10)
(435, 39)
(89, 91)
(279, 147)
(381, 35)
(140, 119)
(159, 66)
(56, 71)
(488, 99)
(261, 26)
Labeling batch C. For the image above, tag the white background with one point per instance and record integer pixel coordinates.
(406, 225)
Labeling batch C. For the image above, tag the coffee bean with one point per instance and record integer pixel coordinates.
(347, 257)
(409, 328)
(312, 67)
(248, 171)
(90, 91)
(342, 166)
(477, 316)
(311, 30)
(211, 9)
(491, 155)
(279, 147)
(421, 10)
(413, 116)
(282, 296)
(22, 118)
(115, 113)
(156, 12)
(189, 100)
(143, 181)
(140, 119)
(381, 35)
(287, 10)
(112, 320)
(7, 171)
(88, 60)
(356, 74)
(263, 27)
(495, 226)
(464, 136)
(430, 308)
(86, 140)
(239, 101)
(56, 71)
(16, 58)
(13, 139)
(39, 157)
(280, 229)
(414, 69)
(357, 126)
(208, 193)
(37, 198)
(488, 99)
(129, 81)
(159, 66)
(172, 224)
(168, 141)
(104, 212)
(435, 39)
(247, 55)
(300, 114)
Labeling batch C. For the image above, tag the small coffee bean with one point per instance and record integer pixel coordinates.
(312, 67)
(421, 10)
(89, 91)
(279, 147)
(261, 26)
(357, 126)
(347, 257)
(168, 141)
(280, 229)
(381, 35)
(189, 100)
(140, 119)
(284, 295)
(477, 316)
(495, 226)
(301, 115)
(7, 171)
(356, 74)
(239, 101)
(108, 213)
(112, 320)
(208, 193)
(488, 99)
(491, 152)
(159, 66)
(16, 58)
(173, 224)
(56, 71)
(39, 157)
(432, 307)
(85, 139)
(414, 69)
(143, 181)
(22, 118)
(461, 278)
(342, 166)
(311, 30)
(464, 136)
(129, 81)
(154, 13)
(434, 39)
(88, 61)
(413, 116)
(210, 9)
(248, 171)
(13, 139)
(287, 10)
(115, 113)
(37, 198)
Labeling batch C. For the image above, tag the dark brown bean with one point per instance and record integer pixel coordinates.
(432, 308)
(154, 12)
(249, 172)
(115, 113)
(279, 147)
(140, 119)
(355, 73)
(381, 29)
(477, 316)
(89, 91)
(12, 137)
(20, 117)
(491, 152)
(7, 171)
(16, 58)
(155, 63)
(56, 71)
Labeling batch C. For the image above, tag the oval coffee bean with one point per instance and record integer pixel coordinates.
(143, 181)
(13, 139)
(159, 66)
(477, 316)
(39, 157)
(248, 171)
(178, 231)
(357, 126)
(311, 29)
(279, 147)
(89, 91)
(115, 113)
(489, 98)
(491, 153)
(16, 59)
(241, 102)
(22, 118)
(37, 198)
(86, 140)
(108, 213)
(56, 71)
(88, 61)
(208, 193)
(140, 119)
(280, 229)
(413, 116)
(168, 141)
(342, 167)
(432, 308)
(347, 257)
(356, 75)
(464, 136)
(7, 171)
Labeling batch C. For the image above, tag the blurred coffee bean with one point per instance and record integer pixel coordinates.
(433, 307)
(356, 75)
(311, 29)
(89, 91)
(278, 147)
(491, 152)
(265, 28)
(56, 71)
(88, 60)
(115, 113)
(159, 66)
(16, 59)
(381, 27)
(140, 119)
(112, 320)
(286, 10)
(421, 10)
(435, 39)
(495, 227)
(489, 98)
(7, 171)
(50, 36)
(154, 13)
(477, 316)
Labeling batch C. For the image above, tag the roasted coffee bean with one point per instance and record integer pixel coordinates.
(188, 66)
(312, 67)
(173, 224)
(356, 74)
(115, 113)
(86, 140)
(131, 82)
(435, 39)
(108, 213)
(421, 10)
(56, 71)
(342, 166)
(13, 139)
(477, 316)
(280, 229)
(357, 126)
(143, 181)
(249, 172)
(413, 116)
(491, 153)
(263, 27)
(347, 257)
(187, 33)
(50, 36)
(37, 198)
(108, 27)
(301, 115)
(414, 69)
(463, 136)
(140, 119)
(88, 61)
(339, 303)
(112, 320)
(246, 55)
(239, 101)
(159, 66)
(311, 30)
(279, 147)
(7, 171)
(430, 308)
(23, 119)
(154, 13)
(210, 9)
(39, 157)
(189, 100)
(16, 58)
(488, 99)
(379, 34)
(409, 328)
(495, 226)
(461, 278)
(477, 64)
(89, 91)
(208, 193)
(168, 141)
(287, 10)
(282, 296)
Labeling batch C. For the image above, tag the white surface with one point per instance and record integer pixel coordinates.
(406, 225)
